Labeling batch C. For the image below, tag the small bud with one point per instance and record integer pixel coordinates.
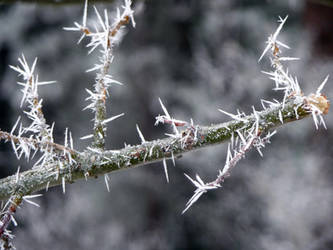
(320, 101)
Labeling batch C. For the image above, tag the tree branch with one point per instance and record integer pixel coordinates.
(92, 163)
(57, 2)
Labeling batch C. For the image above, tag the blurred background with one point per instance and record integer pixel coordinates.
(197, 56)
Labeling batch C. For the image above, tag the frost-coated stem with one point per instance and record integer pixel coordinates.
(104, 37)
(92, 163)
(232, 163)
(9, 211)
(100, 115)
(101, 87)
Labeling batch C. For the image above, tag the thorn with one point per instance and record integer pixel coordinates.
(71, 140)
(27, 197)
(86, 137)
(14, 127)
(47, 186)
(236, 117)
(280, 116)
(85, 10)
(112, 118)
(107, 179)
(140, 134)
(66, 134)
(164, 109)
(151, 151)
(63, 185)
(173, 159)
(320, 88)
(165, 170)
(17, 175)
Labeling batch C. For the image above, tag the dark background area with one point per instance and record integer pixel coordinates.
(197, 56)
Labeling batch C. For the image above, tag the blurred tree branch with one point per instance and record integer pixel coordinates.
(59, 2)
(328, 3)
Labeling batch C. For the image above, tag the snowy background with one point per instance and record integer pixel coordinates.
(197, 56)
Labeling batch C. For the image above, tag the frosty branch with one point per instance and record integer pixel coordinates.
(59, 164)
(92, 163)
(250, 137)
